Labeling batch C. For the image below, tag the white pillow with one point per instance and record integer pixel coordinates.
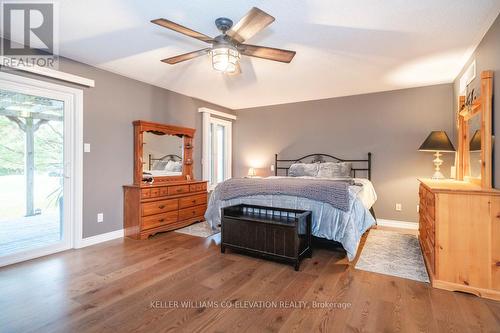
(172, 166)
(303, 169)
(335, 170)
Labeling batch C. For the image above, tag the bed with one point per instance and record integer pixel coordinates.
(342, 219)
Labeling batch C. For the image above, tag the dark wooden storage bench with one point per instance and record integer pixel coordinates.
(270, 232)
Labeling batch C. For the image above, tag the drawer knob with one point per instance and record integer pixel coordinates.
(194, 212)
(162, 220)
(193, 201)
(498, 263)
(161, 206)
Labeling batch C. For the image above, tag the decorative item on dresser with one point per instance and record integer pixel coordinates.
(437, 142)
(174, 199)
(459, 221)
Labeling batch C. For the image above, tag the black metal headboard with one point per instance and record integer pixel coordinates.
(357, 164)
(169, 157)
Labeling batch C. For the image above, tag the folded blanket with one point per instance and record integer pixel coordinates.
(335, 193)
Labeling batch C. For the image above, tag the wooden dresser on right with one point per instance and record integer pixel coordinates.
(459, 233)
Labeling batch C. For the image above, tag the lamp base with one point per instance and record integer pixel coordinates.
(438, 175)
(437, 163)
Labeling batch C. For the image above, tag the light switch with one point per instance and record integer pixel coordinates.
(86, 147)
(100, 217)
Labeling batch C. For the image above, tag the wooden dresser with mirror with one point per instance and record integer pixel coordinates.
(459, 224)
(164, 195)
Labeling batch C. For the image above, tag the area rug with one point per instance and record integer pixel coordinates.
(393, 253)
(201, 229)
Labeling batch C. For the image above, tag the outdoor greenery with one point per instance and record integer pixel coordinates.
(48, 147)
(43, 117)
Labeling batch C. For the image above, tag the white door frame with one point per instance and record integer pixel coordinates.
(73, 148)
(207, 120)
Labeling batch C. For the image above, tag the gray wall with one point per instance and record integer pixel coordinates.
(391, 125)
(109, 109)
(487, 56)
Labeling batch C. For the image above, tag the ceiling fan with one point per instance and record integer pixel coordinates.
(227, 48)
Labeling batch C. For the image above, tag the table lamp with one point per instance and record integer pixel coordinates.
(437, 142)
(251, 173)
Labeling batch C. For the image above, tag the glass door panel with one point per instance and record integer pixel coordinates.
(31, 172)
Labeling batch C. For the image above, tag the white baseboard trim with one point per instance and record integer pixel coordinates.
(397, 224)
(100, 238)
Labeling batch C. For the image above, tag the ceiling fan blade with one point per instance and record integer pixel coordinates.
(269, 53)
(182, 29)
(185, 56)
(253, 22)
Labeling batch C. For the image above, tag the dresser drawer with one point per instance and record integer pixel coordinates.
(430, 205)
(422, 232)
(146, 193)
(429, 229)
(163, 191)
(193, 200)
(155, 192)
(431, 234)
(179, 189)
(197, 211)
(160, 206)
(429, 253)
(158, 220)
(198, 187)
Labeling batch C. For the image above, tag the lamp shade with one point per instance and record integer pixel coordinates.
(251, 172)
(475, 142)
(437, 141)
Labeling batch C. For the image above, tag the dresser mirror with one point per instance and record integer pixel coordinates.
(474, 137)
(162, 152)
(475, 153)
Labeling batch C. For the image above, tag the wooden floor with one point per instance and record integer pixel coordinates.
(128, 285)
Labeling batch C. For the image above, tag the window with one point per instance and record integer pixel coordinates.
(217, 135)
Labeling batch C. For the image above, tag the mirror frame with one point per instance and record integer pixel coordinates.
(483, 107)
(141, 126)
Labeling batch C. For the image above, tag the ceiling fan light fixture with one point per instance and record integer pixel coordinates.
(225, 59)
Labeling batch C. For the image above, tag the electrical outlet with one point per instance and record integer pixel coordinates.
(399, 207)
(100, 217)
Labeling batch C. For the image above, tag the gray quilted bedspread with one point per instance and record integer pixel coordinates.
(335, 193)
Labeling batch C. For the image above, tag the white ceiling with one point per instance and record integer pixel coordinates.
(343, 47)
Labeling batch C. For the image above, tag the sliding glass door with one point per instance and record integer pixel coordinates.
(35, 177)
